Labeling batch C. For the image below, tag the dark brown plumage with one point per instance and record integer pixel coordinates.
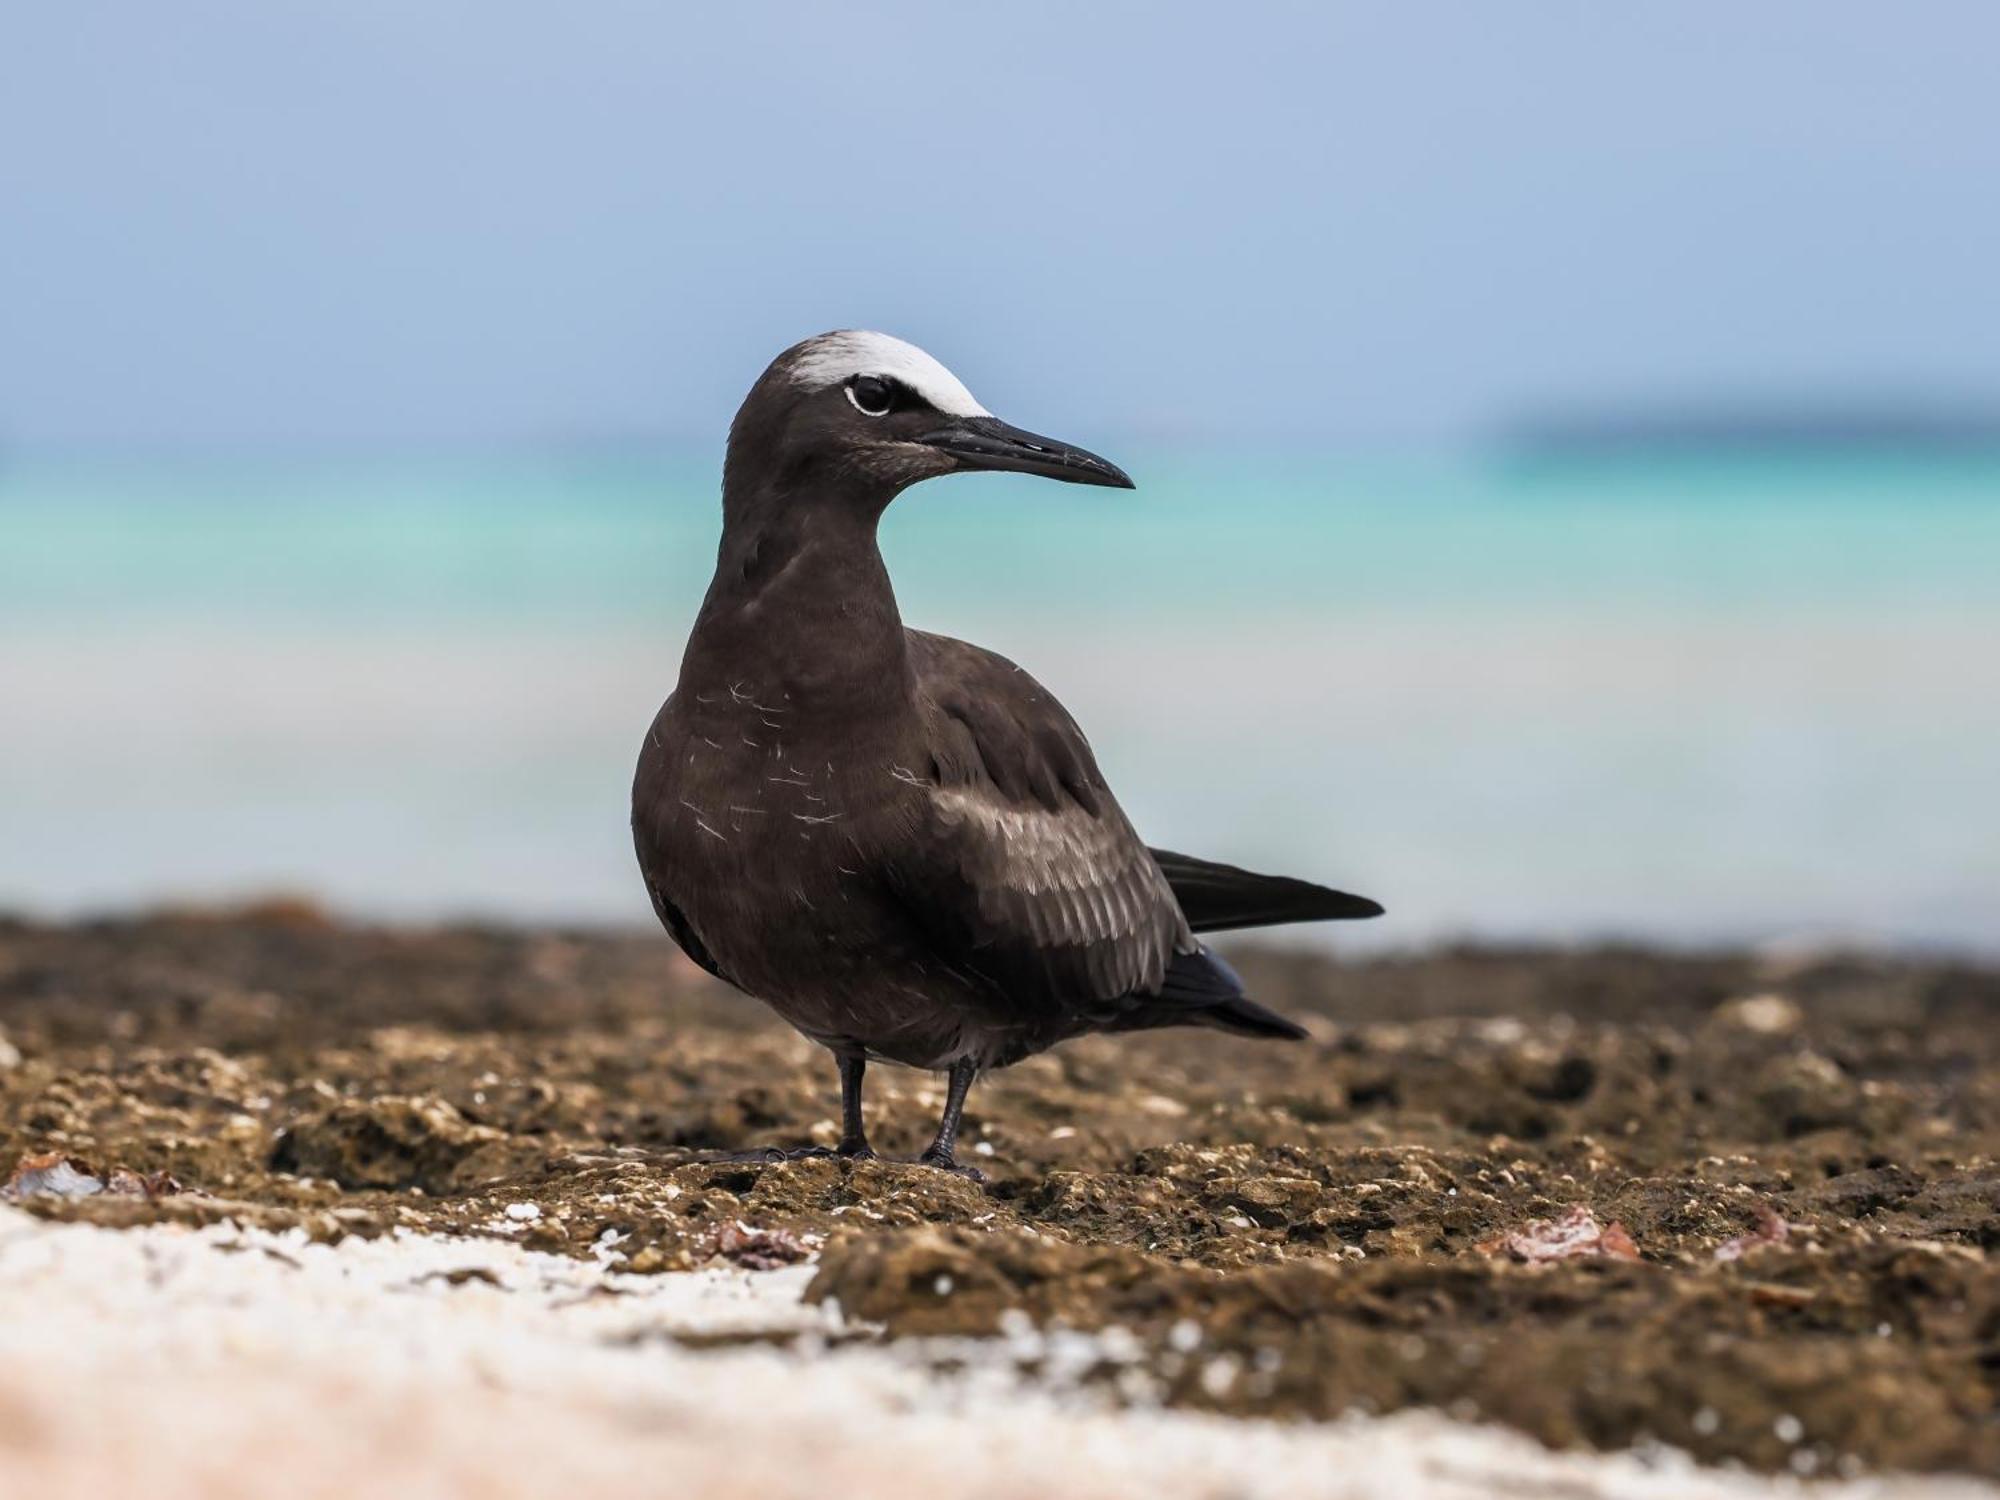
(900, 841)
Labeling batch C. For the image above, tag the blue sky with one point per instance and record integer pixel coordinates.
(376, 223)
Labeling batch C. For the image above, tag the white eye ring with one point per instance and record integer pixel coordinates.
(888, 395)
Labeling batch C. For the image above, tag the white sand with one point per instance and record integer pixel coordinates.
(172, 1363)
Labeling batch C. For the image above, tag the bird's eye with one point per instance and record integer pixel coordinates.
(872, 396)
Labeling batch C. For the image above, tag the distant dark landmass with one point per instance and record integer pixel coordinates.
(1748, 429)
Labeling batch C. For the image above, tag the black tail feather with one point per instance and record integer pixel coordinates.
(1199, 980)
(1201, 989)
(1246, 1017)
(1217, 897)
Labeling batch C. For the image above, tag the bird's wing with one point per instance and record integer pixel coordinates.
(1029, 873)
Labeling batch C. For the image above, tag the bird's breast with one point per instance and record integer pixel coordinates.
(758, 825)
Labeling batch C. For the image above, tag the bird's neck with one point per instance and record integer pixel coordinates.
(801, 609)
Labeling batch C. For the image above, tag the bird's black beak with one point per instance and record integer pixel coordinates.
(989, 443)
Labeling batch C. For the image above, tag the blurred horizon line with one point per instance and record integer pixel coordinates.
(1899, 423)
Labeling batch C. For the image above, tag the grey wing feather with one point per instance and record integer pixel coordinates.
(1056, 894)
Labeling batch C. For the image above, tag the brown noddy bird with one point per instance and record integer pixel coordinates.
(899, 841)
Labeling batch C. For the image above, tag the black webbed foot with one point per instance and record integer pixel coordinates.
(768, 1155)
(944, 1161)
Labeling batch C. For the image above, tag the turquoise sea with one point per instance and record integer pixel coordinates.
(1671, 696)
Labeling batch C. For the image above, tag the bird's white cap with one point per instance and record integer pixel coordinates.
(833, 358)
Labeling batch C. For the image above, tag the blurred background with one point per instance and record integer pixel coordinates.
(1568, 437)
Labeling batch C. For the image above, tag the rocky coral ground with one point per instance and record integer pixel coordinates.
(1745, 1206)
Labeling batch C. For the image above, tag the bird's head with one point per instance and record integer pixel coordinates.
(870, 413)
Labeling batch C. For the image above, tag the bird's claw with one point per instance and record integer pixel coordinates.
(951, 1164)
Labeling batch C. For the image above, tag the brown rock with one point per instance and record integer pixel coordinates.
(391, 1143)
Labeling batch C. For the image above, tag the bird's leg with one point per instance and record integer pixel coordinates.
(853, 1135)
(942, 1152)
